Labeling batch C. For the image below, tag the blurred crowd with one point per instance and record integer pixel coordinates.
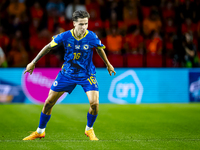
(136, 33)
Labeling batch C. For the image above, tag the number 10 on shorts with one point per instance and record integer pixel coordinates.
(92, 80)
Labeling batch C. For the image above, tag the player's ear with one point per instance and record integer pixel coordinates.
(74, 23)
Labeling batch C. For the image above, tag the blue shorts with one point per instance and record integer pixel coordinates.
(67, 84)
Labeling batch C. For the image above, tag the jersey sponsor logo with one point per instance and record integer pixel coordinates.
(85, 47)
(68, 45)
(77, 46)
(126, 88)
(55, 83)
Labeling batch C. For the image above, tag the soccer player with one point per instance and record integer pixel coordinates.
(78, 69)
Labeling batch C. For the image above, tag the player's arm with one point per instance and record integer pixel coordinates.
(190, 52)
(103, 56)
(30, 67)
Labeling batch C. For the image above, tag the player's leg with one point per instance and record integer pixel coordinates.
(45, 115)
(61, 83)
(93, 97)
(47, 109)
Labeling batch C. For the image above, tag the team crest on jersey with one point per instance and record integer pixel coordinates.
(55, 83)
(85, 47)
(77, 46)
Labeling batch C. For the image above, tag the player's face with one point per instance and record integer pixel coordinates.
(81, 25)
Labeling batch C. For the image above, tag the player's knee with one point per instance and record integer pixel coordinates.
(94, 105)
(48, 104)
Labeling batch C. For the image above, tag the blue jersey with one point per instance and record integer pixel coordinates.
(78, 53)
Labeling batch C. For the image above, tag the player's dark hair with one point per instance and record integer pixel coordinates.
(80, 14)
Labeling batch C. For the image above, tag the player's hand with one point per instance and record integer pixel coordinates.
(110, 69)
(29, 68)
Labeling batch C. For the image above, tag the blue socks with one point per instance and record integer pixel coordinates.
(90, 119)
(43, 120)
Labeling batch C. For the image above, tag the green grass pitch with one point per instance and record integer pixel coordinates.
(123, 127)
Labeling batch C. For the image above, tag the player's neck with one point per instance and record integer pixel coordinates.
(78, 35)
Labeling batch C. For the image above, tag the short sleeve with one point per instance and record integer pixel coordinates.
(96, 42)
(57, 39)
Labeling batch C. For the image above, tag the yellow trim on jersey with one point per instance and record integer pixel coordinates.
(80, 38)
(53, 43)
(101, 47)
(62, 66)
